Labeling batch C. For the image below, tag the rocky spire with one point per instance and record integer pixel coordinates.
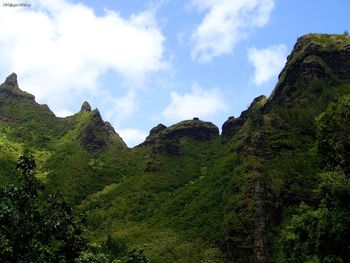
(85, 107)
(10, 88)
(11, 80)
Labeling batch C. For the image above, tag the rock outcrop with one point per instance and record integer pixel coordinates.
(91, 138)
(316, 60)
(166, 140)
(85, 107)
(18, 106)
(232, 125)
(11, 80)
(97, 134)
(154, 134)
(195, 129)
(156, 130)
(10, 88)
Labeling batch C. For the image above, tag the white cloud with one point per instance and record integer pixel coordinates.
(226, 22)
(121, 107)
(199, 102)
(64, 113)
(60, 49)
(268, 62)
(132, 137)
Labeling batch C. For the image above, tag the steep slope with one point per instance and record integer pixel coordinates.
(232, 125)
(24, 122)
(88, 157)
(280, 144)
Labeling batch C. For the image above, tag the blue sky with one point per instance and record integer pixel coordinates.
(148, 62)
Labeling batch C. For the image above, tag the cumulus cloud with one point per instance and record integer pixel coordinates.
(121, 107)
(199, 102)
(60, 49)
(132, 137)
(225, 23)
(268, 62)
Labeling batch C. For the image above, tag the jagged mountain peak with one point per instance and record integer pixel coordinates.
(11, 80)
(85, 106)
(98, 134)
(315, 58)
(20, 110)
(10, 88)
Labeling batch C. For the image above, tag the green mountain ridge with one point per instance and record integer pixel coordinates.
(188, 193)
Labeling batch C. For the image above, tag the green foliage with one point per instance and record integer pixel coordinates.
(299, 235)
(36, 226)
(92, 257)
(136, 256)
(321, 234)
(177, 212)
(333, 135)
(112, 250)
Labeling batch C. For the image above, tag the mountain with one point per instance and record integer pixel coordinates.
(190, 194)
(74, 154)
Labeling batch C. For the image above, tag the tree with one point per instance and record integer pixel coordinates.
(36, 225)
(39, 226)
(321, 233)
(112, 250)
(136, 256)
(333, 135)
(346, 33)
